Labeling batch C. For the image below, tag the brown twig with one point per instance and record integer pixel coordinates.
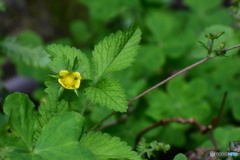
(203, 129)
(165, 121)
(216, 119)
(209, 134)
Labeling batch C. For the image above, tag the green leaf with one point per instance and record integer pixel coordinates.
(52, 107)
(106, 147)
(10, 140)
(178, 45)
(182, 100)
(162, 24)
(21, 156)
(180, 156)
(79, 31)
(235, 101)
(200, 6)
(2, 6)
(179, 89)
(59, 139)
(151, 58)
(116, 52)
(26, 53)
(29, 38)
(49, 109)
(108, 93)
(65, 58)
(223, 135)
(21, 115)
(158, 111)
(98, 10)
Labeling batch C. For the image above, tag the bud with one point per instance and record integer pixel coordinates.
(221, 46)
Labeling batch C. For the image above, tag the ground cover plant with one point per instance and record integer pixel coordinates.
(138, 80)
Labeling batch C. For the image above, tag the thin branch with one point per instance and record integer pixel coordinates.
(171, 77)
(203, 129)
(100, 122)
(215, 120)
(121, 119)
(180, 72)
(225, 50)
(212, 140)
(163, 122)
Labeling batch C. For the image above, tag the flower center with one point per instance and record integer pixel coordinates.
(69, 80)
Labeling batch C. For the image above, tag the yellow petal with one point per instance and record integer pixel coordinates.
(69, 80)
(63, 73)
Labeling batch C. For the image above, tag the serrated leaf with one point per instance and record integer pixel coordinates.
(48, 109)
(52, 107)
(106, 147)
(26, 53)
(59, 139)
(116, 52)
(108, 93)
(64, 57)
(21, 115)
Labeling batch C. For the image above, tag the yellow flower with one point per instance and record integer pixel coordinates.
(69, 80)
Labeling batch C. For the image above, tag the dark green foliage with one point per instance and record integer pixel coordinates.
(171, 32)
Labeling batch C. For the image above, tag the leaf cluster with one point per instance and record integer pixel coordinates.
(115, 52)
(61, 134)
(148, 148)
(54, 130)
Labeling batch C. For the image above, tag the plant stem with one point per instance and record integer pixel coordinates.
(100, 122)
(225, 50)
(171, 77)
(180, 72)
(211, 47)
(84, 107)
(216, 148)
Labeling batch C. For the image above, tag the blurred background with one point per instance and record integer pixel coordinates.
(171, 30)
